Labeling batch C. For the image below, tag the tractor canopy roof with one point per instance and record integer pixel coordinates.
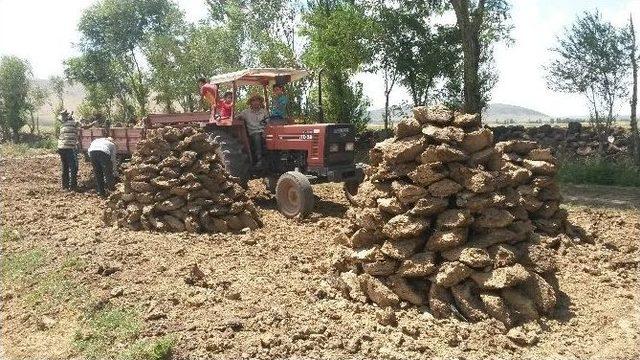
(260, 76)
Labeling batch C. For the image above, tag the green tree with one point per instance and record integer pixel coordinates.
(114, 35)
(339, 35)
(481, 24)
(103, 82)
(264, 33)
(263, 29)
(178, 61)
(36, 98)
(238, 34)
(591, 59)
(633, 60)
(15, 84)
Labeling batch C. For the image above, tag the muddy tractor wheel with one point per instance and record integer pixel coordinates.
(351, 190)
(235, 161)
(294, 195)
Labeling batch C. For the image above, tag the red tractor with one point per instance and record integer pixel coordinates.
(295, 155)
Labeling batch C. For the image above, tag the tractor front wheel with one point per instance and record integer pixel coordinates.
(294, 195)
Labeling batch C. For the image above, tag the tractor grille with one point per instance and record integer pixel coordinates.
(339, 134)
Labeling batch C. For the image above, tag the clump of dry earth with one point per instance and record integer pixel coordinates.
(270, 293)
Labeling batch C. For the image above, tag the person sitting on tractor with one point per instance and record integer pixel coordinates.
(254, 117)
(279, 103)
(209, 92)
(226, 105)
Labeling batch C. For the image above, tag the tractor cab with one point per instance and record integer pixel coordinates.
(294, 154)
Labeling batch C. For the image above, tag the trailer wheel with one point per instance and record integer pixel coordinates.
(294, 195)
(235, 161)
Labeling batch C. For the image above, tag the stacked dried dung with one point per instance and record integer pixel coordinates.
(447, 218)
(572, 141)
(177, 182)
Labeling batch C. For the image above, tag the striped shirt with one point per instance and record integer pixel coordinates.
(68, 138)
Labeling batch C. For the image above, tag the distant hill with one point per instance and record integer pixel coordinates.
(73, 96)
(496, 112)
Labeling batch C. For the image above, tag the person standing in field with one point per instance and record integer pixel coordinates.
(102, 153)
(68, 150)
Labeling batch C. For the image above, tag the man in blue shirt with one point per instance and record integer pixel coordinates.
(279, 103)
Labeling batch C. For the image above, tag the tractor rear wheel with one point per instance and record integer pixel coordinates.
(294, 195)
(270, 182)
(235, 161)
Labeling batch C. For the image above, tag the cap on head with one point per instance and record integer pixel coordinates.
(65, 115)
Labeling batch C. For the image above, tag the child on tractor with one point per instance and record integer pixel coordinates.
(279, 103)
(209, 92)
(226, 105)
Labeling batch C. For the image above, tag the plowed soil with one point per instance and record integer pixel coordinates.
(269, 293)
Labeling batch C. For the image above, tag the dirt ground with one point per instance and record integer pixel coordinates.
(74, 289)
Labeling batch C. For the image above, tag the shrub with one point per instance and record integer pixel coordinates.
(599, 171)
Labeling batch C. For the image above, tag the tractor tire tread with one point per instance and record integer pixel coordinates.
(235, 161)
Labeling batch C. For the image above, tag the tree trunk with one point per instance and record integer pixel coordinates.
(389, 82)
(635, 136)
(469, 24)
(472, 97)
(386, 110)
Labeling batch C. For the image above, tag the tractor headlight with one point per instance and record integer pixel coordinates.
(348, 146)
(333, 147)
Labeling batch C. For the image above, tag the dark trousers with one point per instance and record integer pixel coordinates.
(256, 146)
(69, 160)
(102, 171)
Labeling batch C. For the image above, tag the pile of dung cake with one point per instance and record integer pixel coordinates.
(177, 182)
(446, 218)
(573, 140)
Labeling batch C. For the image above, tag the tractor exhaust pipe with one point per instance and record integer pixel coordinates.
(320, 109)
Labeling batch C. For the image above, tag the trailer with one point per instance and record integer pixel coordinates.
(126, 138)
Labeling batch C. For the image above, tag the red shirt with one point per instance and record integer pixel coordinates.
(225, 108)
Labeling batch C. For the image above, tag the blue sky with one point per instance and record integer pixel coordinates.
(43, 31)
